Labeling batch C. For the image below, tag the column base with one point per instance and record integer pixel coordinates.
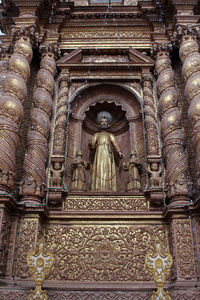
(179, 200)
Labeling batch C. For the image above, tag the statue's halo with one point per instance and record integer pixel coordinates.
(104, 115)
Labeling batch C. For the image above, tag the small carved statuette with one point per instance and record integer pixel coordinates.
(78, 177)
(29, 186)
(155, 171)
(133, 167)
(6, 178)
(57, 169)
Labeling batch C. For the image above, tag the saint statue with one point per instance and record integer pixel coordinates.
(78, 177)
(104, 144)
(133, 167)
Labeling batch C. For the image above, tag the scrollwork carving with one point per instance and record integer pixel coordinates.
(101, 253)
(183, 252)
(109, 203)
(27, 240)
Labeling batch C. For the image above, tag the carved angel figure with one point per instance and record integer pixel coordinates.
(155, 171)
(57, 169)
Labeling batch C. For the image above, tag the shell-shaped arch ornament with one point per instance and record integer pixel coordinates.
(40, 262)
(159, 265)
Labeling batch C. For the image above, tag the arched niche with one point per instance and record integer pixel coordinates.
(127, 125)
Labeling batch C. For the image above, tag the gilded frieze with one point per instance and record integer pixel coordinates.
(102, 252)
(107, 203)
(105, 34)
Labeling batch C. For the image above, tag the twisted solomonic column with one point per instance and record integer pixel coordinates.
(190, 57)
(61, 111)
(150, 116)
(34, 179)
(11, 99)
(172, 135)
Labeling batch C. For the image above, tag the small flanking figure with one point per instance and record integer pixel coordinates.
(134, 168)
(57, 170)
(155, 171)
(78, 177)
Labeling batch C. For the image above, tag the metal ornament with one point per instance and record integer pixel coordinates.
(40, 263)
(159, 265)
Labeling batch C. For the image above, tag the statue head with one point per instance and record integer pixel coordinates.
(104, 119)
(57, 166)
(154, 166)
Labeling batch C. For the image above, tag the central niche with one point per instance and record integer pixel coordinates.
(105, 130)
(105, 127)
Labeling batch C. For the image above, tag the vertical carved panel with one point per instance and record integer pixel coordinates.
(70, 153)
(5, 227)
(27, 240)
(183, 250)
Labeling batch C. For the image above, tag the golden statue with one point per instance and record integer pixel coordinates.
(78, 177)
(133, 167)
(104, 175)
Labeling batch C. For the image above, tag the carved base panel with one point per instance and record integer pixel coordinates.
(102, 253)
(78, 203)
(57, 294)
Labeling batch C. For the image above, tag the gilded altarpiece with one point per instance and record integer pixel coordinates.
(104, 177)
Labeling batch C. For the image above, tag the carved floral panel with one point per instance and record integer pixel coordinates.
(26, 241)
(185, 255)
(102, 253)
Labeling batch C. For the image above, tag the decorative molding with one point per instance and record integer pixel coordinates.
(107, 203)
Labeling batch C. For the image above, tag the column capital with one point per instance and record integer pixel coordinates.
(161, 49)
(185, 31)
(64, 77)
(147, 77)
(47, 48)
(28, 32)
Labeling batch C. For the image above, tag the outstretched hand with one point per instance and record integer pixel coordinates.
(121, 155)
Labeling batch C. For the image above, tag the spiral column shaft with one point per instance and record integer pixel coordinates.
(172, 135)
(190, 57)
(33, 184)
(61, 111)
(11, 100)
(150, 116)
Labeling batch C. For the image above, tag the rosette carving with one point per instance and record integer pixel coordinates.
(14, 91)
(172, 135)
(150, 116)
(190, 57)
(34, 180)
(61, 111)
